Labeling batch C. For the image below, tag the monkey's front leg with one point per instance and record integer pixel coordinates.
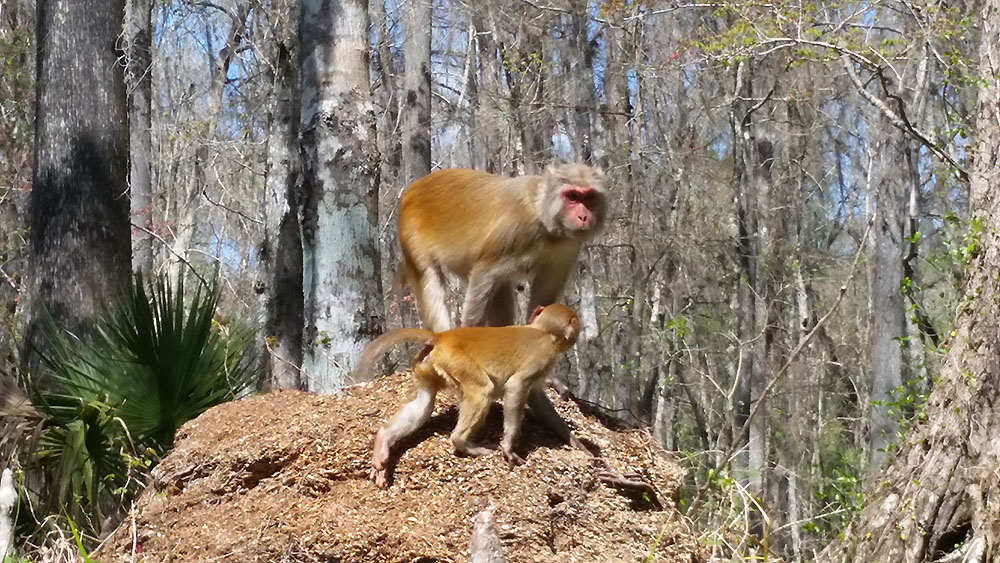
(502, 306)
(514, 400)
(546, 286)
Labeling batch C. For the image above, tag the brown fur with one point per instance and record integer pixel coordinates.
(491, 231)
(365, 368)
(483, 363)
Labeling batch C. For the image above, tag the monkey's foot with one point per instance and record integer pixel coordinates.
(475, 450)
(576, 443)
(379, 476)
(380, 461)
(512, 458)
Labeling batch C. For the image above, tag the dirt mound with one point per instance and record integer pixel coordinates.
(283, 477)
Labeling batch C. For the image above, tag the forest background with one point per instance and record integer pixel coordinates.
(790, 229)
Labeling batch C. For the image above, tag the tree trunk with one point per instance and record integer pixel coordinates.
(588, 348)
(486, 113)
(342, 285)
(386, 96)
(80, 247)
(611, 146)
(640, 390)
(938, 497)
(138, 70)
(898, 183)
(577, 60)
(751, 183)
(17, 123)
(281, 252)
(889, 315)
(530, 118)
(417, 100)
(611, 126)
(581, 76)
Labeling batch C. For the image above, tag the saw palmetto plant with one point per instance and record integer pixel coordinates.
(111, 402)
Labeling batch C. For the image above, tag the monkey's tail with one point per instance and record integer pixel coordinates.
(365, 368)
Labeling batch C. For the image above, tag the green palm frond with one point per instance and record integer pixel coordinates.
(179, 360)
(84, 458)
(153, 362)
(158, 360)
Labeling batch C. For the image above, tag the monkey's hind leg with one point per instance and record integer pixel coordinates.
(477, 393)
(411, 417)
(502, 306)
(432, 295)
(543, 409)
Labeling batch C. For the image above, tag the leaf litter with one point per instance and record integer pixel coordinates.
(284, 477)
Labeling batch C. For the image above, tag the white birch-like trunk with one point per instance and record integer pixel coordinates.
(588, 346)
(341, 281)
(8, 500)
(138, 73)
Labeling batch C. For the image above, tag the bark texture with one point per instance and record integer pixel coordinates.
(938, 497)
(484, 95)
(751, 186)
(898, 185)
(417, 99)
(888, 314)
(138, 71)
(281, 251)
(342, 285)
(79, 240)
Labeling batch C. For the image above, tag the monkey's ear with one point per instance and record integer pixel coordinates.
(534, 315)
(572, 330)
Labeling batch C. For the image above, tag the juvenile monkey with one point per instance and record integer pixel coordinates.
(483, 364)
(493, 231)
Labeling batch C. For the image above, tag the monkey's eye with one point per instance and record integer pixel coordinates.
(584, 196)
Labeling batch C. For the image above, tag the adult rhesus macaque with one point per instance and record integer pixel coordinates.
(483, 364)
(493, 231)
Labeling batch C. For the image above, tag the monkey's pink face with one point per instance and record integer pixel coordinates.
(582, 207)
